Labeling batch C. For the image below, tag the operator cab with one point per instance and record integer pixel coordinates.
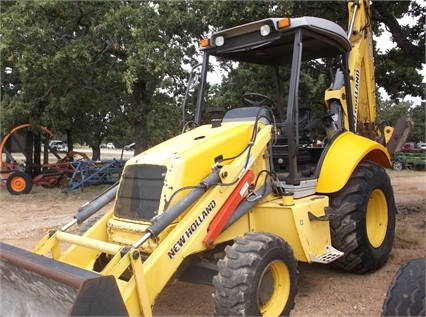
(279, 43)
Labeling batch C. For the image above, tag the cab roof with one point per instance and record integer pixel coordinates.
(321, 38)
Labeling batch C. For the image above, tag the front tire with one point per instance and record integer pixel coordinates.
(365, 230)
(258, 276)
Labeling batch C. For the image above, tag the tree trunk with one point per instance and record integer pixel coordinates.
(70, 141)
(46, 150)
(142, 94)
(141, 135)
(29, 153)
(96, 153)
(400, 36)
(37, 154)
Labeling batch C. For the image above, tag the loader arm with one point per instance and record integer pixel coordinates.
(148, 276)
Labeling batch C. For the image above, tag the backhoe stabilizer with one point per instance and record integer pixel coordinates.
(36, 285)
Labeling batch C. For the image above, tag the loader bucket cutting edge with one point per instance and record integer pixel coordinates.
(34, 285)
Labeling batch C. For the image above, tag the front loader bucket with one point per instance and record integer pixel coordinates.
(34, 285)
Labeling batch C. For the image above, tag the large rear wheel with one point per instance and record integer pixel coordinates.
(366, 227)
(257, 277)
(19, 183)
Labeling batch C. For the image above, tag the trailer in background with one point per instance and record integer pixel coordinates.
(409, 160)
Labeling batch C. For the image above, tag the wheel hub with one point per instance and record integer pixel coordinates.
(274, 285)
(377, 218)
(18, 184)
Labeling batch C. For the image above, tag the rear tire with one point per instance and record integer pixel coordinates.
(406, 293)
(19, 183)
(365, 230)
(258, 276)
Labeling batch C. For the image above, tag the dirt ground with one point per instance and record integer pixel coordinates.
(323, 291)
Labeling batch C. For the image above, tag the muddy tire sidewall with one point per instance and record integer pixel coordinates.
(350, 232)
(240, 284)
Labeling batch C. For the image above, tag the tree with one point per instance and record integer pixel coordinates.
(398, 69)
(388, 111)
(96, 70)
(153, 50)
(417, 113)
(50, 48)
(100, 62)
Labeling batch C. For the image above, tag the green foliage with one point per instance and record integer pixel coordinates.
(398, 69)
(260, 79)
(113, 70)
(95, 68)
(418, 115)
(399, 75)
(388, 112)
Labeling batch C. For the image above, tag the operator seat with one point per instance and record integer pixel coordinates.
(308, 125)
(307, 155)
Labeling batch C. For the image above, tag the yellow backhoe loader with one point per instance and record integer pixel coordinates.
(237, 202)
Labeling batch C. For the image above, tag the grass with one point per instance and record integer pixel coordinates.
(106, 154)
(410, 227)
(404, 173)
(406, 238)
(53, 194)
(422, 225)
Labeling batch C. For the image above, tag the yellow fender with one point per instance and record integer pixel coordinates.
(343, 156)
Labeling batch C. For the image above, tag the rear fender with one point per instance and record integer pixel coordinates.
(343, 156)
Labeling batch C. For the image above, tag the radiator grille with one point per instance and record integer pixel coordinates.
(140, 191)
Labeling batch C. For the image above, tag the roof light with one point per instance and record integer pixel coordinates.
(205, 42)
(265, 30)
(219, 41)
(283, 23)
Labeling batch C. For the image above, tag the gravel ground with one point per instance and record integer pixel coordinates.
(323, 291)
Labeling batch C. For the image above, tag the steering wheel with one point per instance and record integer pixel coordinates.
(252, 99)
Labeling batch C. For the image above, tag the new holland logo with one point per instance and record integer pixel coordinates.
(356, 92)
(191, 229)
